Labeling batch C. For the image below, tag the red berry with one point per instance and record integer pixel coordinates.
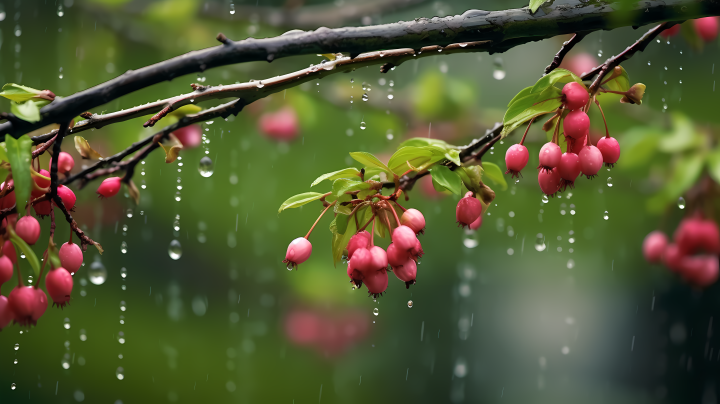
(476, 224)
(281, 125)
(71, 257)
(654, 245)
(354, 274)
(11, 220)
(672, 257)
(362, 260)
(22, 303)
(576, 124)
(42, 182)
(695, 234)
(574, 96)
(576, 145)
(67, 196)
(6, 314)
(359, 240)
(407, 272)
(40, 305)
(189, 136)
(468, 210)
(404, 238)
(413, 219)
(701, 270)
(65, 163)
(706, 28)
(9, 251)
(41, 208)
(59, 283)
(396, 256)
(7, 201)
(670, 32)
(591, 161)
(378, 258)
(417, 251)
(569, 168)
(376, 281)
(549, 181)
(298, 252)
(549, 156)
(28, 229)
(610, 149)
(516, 159)
(109, 187)
(6, 269)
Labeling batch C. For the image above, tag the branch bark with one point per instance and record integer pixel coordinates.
(506, 29)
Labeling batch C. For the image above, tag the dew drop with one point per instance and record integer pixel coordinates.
(363, 125)
(609, 182)
(376, 311)
(540, 242)
(205, 167)
(175, 250)
(365, 97)
(410, 304)
(97, 272)
(681, 202)
(290, 266)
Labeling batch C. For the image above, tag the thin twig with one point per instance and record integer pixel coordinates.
(567, 46)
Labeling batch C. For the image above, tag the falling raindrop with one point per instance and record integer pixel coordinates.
(376, 311)
(606, 216)
(470, 239)
(175, 250)
(123, 247)
(123, 272)
(129, 213)
(365, 97)
(363, 125)
(13, 386)
(390, 96)
(17, 346)
(681, 202)
(540, 242)
(545, 199)
(205, 167)
(15, 362)
(570, 264)
(60, 12)
(65, 362)
(123, 306)
(66, 323)
(609, 182)
(410, 304)
(499, 72)
(97, 272)
(120, 373)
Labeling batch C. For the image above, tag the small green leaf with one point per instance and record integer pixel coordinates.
(341, 221)
(369, 160)
(535, 4)
(339, 207)
(416, 156)
(299, 200)
(3, 153)
(683, 136)
(495, 174)
(19, 154)
(557, 76)
(27, 111)
(447, 179)
(619, 83)
(534, 106)
(350, 172)
(25, 249)
(18, 93)
(343, 185)
(684, 174)
(425, 141)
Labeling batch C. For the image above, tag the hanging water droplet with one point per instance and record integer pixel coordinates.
(97, 272)
(390, 96)
(470, 239)
(410, 304)
(15, 362)
(17, 346)
(60, 12)
(290, 266)
(120, 373)
(13, 386)
(606, 216)
(540, 242)
(376, 311)
(123, 306)
(609, 182)
(123, 247)
(545, 199)
(66, 323)
(129, 213)
(600, 53)
(352, 80)
(365, 97)
(681, 202)
(206, 167)
(123, 272)
(175, 250)
(363, 125)
(499, 72)
(65, 362)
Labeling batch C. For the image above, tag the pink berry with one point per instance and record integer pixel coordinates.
(59, 284)
(569, 168)
(41, 208)
(354, 274)
(6, 314)
(378, 258)
(580, 63)
(67, 196)
(654, 245)
(407, 272)
(109, 187)
(576, 145)
(576, 124)
(550, 155)
(71, 257)
(574, 96)
(9, 251)
(42, 182)
(10, 220)
(516, 159)
(360, 240)
(670, 32)
(6, 269)
(298, 252)
(376, 282)
(591, 161)
(396, 256)
(65, 163)
(281, 125)
(189, 136)
(706, 28)
(673, 257)
(22, 303)
(549, 181)
(413, 219)
(695, 234)
(404, 238)
(417, 251)
(701, 270)
(7, 201)
(28, 229)
(40, 306)
(468, 210)
(362, 260)
(476, 224)
(610, 149)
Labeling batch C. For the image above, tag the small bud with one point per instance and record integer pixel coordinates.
(634, 95)
(46, 95)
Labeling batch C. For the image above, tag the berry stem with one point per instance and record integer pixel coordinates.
(318, 219)
(527, 130)
(607, 132)
(71, 234)
(42, 269)
(394, 214)
(557, 129)
(403, 209)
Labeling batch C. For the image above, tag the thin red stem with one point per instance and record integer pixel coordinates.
(403, 209)
(42, 269)
(318, 219)
(394, 214)
(372, 233)
(607, 132)
(527, 130)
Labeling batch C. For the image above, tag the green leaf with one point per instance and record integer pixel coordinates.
(18, 93)
(557, 76)
(339, 208)
(299, 200)
(343, 185)
(535, 4)
(426, 141)
(341, 221)
(522, 94)
(472, 177)
(684, 174)
(446, 179)
(620, 83)
(454, 156)
(3, 153)
(683, 137)
(495, 174)
(529, 107)
(27, 111)
(713, 164)
(350, 172)
(369, 160)
(19, 154)
(416, 156)
(25, 249)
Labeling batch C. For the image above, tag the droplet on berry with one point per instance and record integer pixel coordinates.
(298, 252)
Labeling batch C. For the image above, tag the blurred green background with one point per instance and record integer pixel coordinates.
(567, 309)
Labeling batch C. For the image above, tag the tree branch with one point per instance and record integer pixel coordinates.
(567, 45)
(505, 29)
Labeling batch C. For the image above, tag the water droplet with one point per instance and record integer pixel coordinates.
(681, 202)
(175, 250)
(565, 350)
(15, 362)
(363, 125)
(120, 373)
(365, 97)
(66, 323)
(410, 304)
(129, 213)
(352, 80)
(376, 311)
(606, 216)
(540, 242)
(123, 306)
(97, 272)
(498, 74)
(600, 53)
(83, 335)
(290, 266)
(205, 167)
(545, 199)
(570, 264)
(123, 247)
(609, 182)
(65, 362)
(470, 239)
(17, 346)
(13, 386)
(123, 272)
(60, 12)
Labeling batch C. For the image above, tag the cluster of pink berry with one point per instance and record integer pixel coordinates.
(558, 170)
(706, 28)
(329, 333)
(693, 253)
